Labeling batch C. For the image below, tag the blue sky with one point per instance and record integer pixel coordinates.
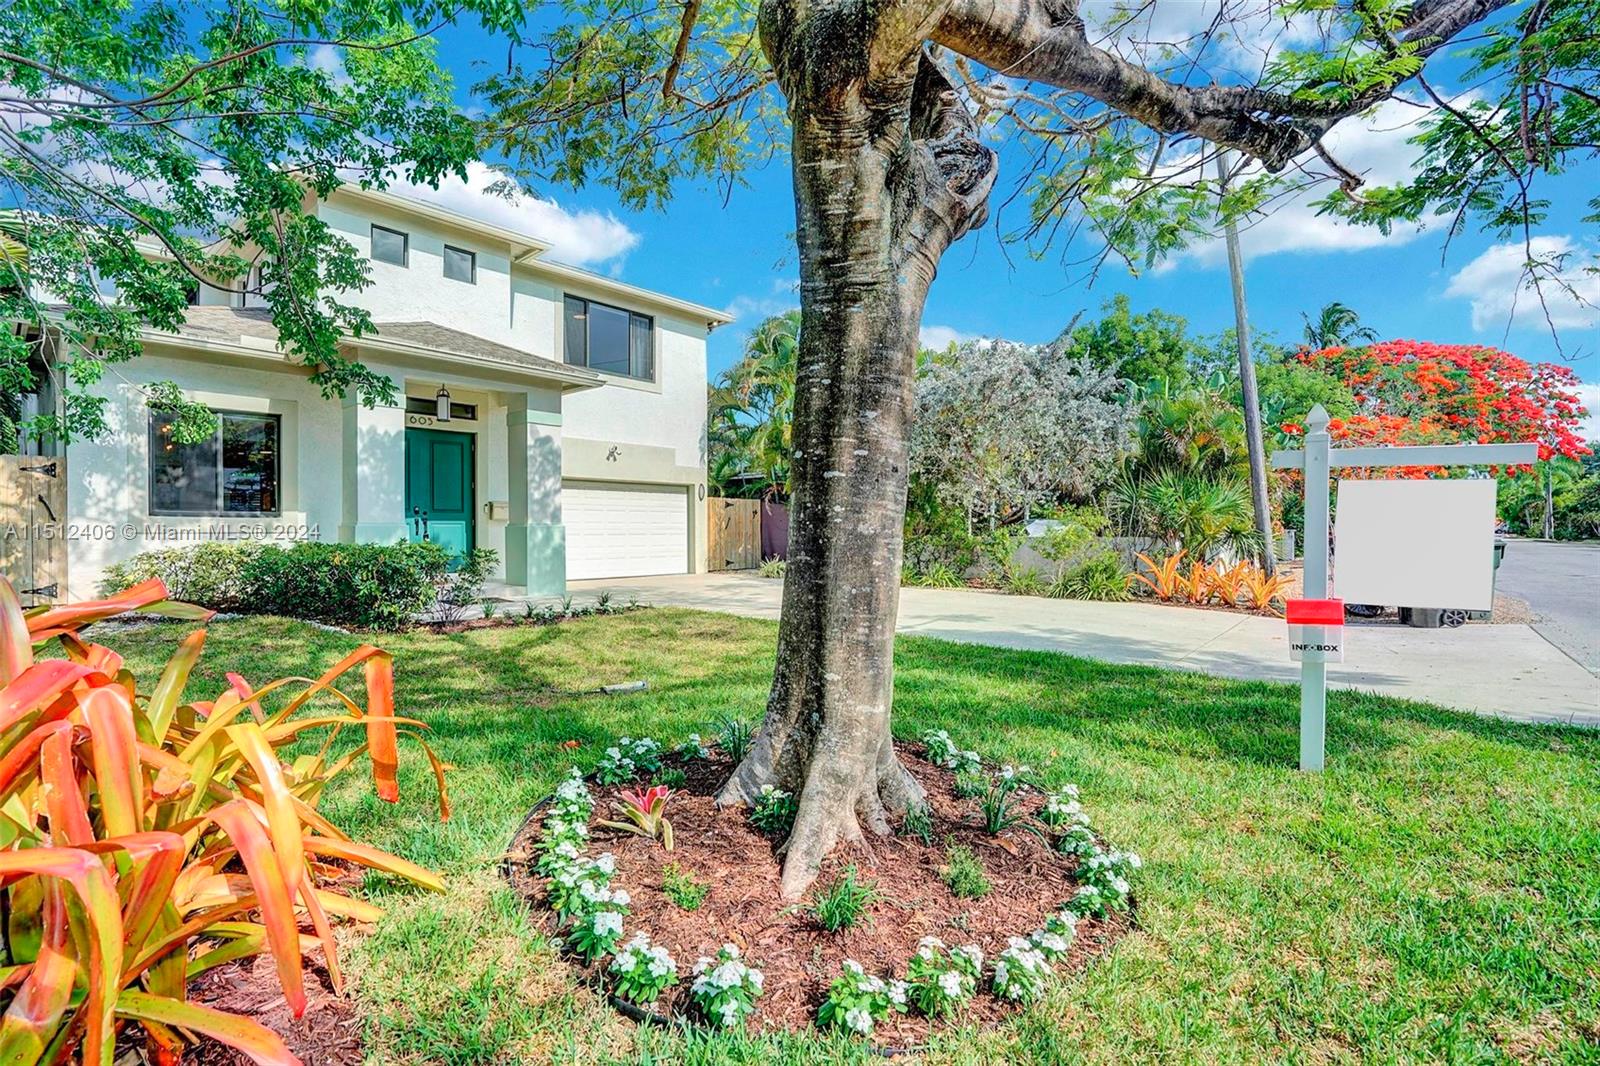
(738, 255)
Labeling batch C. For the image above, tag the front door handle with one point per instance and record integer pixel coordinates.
(424, 525)
(416, 521)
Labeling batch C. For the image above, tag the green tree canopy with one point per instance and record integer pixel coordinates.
(150, 146)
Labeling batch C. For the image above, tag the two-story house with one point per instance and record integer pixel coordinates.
(549, 413)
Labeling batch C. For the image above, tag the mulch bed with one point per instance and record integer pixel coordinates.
(328, 1034)
(1028, 880)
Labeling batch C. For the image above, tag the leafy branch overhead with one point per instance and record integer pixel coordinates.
(148, 148)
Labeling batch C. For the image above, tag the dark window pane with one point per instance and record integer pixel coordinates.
(249, 463)
(388, 246)
(183, 477)
(642, 348)
(608, 339)
(462, 266)
(577, 312)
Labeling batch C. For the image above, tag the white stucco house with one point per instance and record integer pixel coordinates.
(546, 412)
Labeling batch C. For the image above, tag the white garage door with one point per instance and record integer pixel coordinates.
(625, 530)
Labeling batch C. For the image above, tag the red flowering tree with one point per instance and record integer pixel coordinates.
(1413, 392)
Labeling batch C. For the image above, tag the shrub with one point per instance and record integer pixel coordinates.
(1055, 938)
(963, 873)
(942, 751)
(93, 903)
(725, 989)
(843, 904)
(734, 736)
(462, 587)
(918, 822)
(998, 807)
(213, 574)
(939, 978)
(643, 971)
(857, 1000)
(773, 811)
(970, 783)
(365, 586)
(1023, 581)
(940, 576)
(625, 759)
(1021, 971)
(672, 777)
(693, 748)
(681, 888)
(773, 567)
(1102, 578)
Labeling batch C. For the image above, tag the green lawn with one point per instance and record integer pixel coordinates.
(1435, 895)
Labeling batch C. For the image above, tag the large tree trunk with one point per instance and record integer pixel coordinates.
(887, 173)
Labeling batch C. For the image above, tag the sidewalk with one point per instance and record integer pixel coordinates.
(1503, 670)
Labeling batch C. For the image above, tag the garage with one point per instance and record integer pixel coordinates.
(625, 530)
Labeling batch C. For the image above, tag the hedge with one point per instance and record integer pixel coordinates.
(363, 586)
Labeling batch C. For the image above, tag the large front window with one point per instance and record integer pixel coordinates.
(609, 339)
(234, 471)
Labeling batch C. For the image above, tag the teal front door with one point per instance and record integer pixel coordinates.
(439, 496)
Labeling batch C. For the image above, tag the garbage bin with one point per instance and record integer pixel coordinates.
(1499, 556)
(1434, 617)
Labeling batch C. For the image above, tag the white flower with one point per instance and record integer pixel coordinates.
(950, 984)
(973, 952)
(606, 864)
(897, 993)
(730, 1011)
(607, 923)
(858, 1019)
(702, 964)
(757, 978)
(852, 966)
(620, 897)
(731, 950)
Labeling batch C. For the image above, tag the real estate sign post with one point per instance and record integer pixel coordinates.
(1449, 518)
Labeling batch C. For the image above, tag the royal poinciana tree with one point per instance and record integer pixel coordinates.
(894, 110)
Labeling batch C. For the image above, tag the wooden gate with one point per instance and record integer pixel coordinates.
(735, 540)
(33, 545)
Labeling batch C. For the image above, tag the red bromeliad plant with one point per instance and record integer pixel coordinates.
(646, 813)
(145, 839)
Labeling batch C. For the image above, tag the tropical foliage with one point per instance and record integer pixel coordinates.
(751, 410)
(148, 838)
(161, 145)
(1003, 428)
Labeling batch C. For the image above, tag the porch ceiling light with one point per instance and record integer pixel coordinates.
(442, 404)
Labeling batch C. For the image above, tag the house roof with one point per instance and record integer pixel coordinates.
(252, 328)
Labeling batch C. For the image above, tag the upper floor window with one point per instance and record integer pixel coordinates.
(460, 265)
(390, 246)
(609, 339)
(235, 471)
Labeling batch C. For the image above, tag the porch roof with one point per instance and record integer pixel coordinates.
(252, 328)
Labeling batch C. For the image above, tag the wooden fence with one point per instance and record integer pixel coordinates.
(735, 533)
(33, 546)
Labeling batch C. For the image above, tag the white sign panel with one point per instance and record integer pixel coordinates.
(1415, 543)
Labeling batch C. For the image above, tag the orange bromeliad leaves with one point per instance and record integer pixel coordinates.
(142, 830)
(1164, 579)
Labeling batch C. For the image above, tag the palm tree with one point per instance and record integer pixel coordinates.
(751, 410)
(1337, 326)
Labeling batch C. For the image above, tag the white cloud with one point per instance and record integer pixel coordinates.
(1373, 146)
(1589, 396)
(1502, 294)
(581, 237)
(782, 295)
(941, 337)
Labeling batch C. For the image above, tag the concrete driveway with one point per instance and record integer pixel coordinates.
(1503, 670)
(1561, 582)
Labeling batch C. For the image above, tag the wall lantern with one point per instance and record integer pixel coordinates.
(442, 404)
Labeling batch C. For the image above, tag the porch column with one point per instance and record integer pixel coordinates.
(374, 472)
(536, 541)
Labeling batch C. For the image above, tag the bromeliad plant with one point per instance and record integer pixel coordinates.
(145, 839)
(645, 810)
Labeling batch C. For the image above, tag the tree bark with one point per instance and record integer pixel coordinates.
(888, 172)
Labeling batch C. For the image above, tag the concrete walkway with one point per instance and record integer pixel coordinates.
(1503, 670)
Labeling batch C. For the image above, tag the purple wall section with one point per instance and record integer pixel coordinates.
(774, 530)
